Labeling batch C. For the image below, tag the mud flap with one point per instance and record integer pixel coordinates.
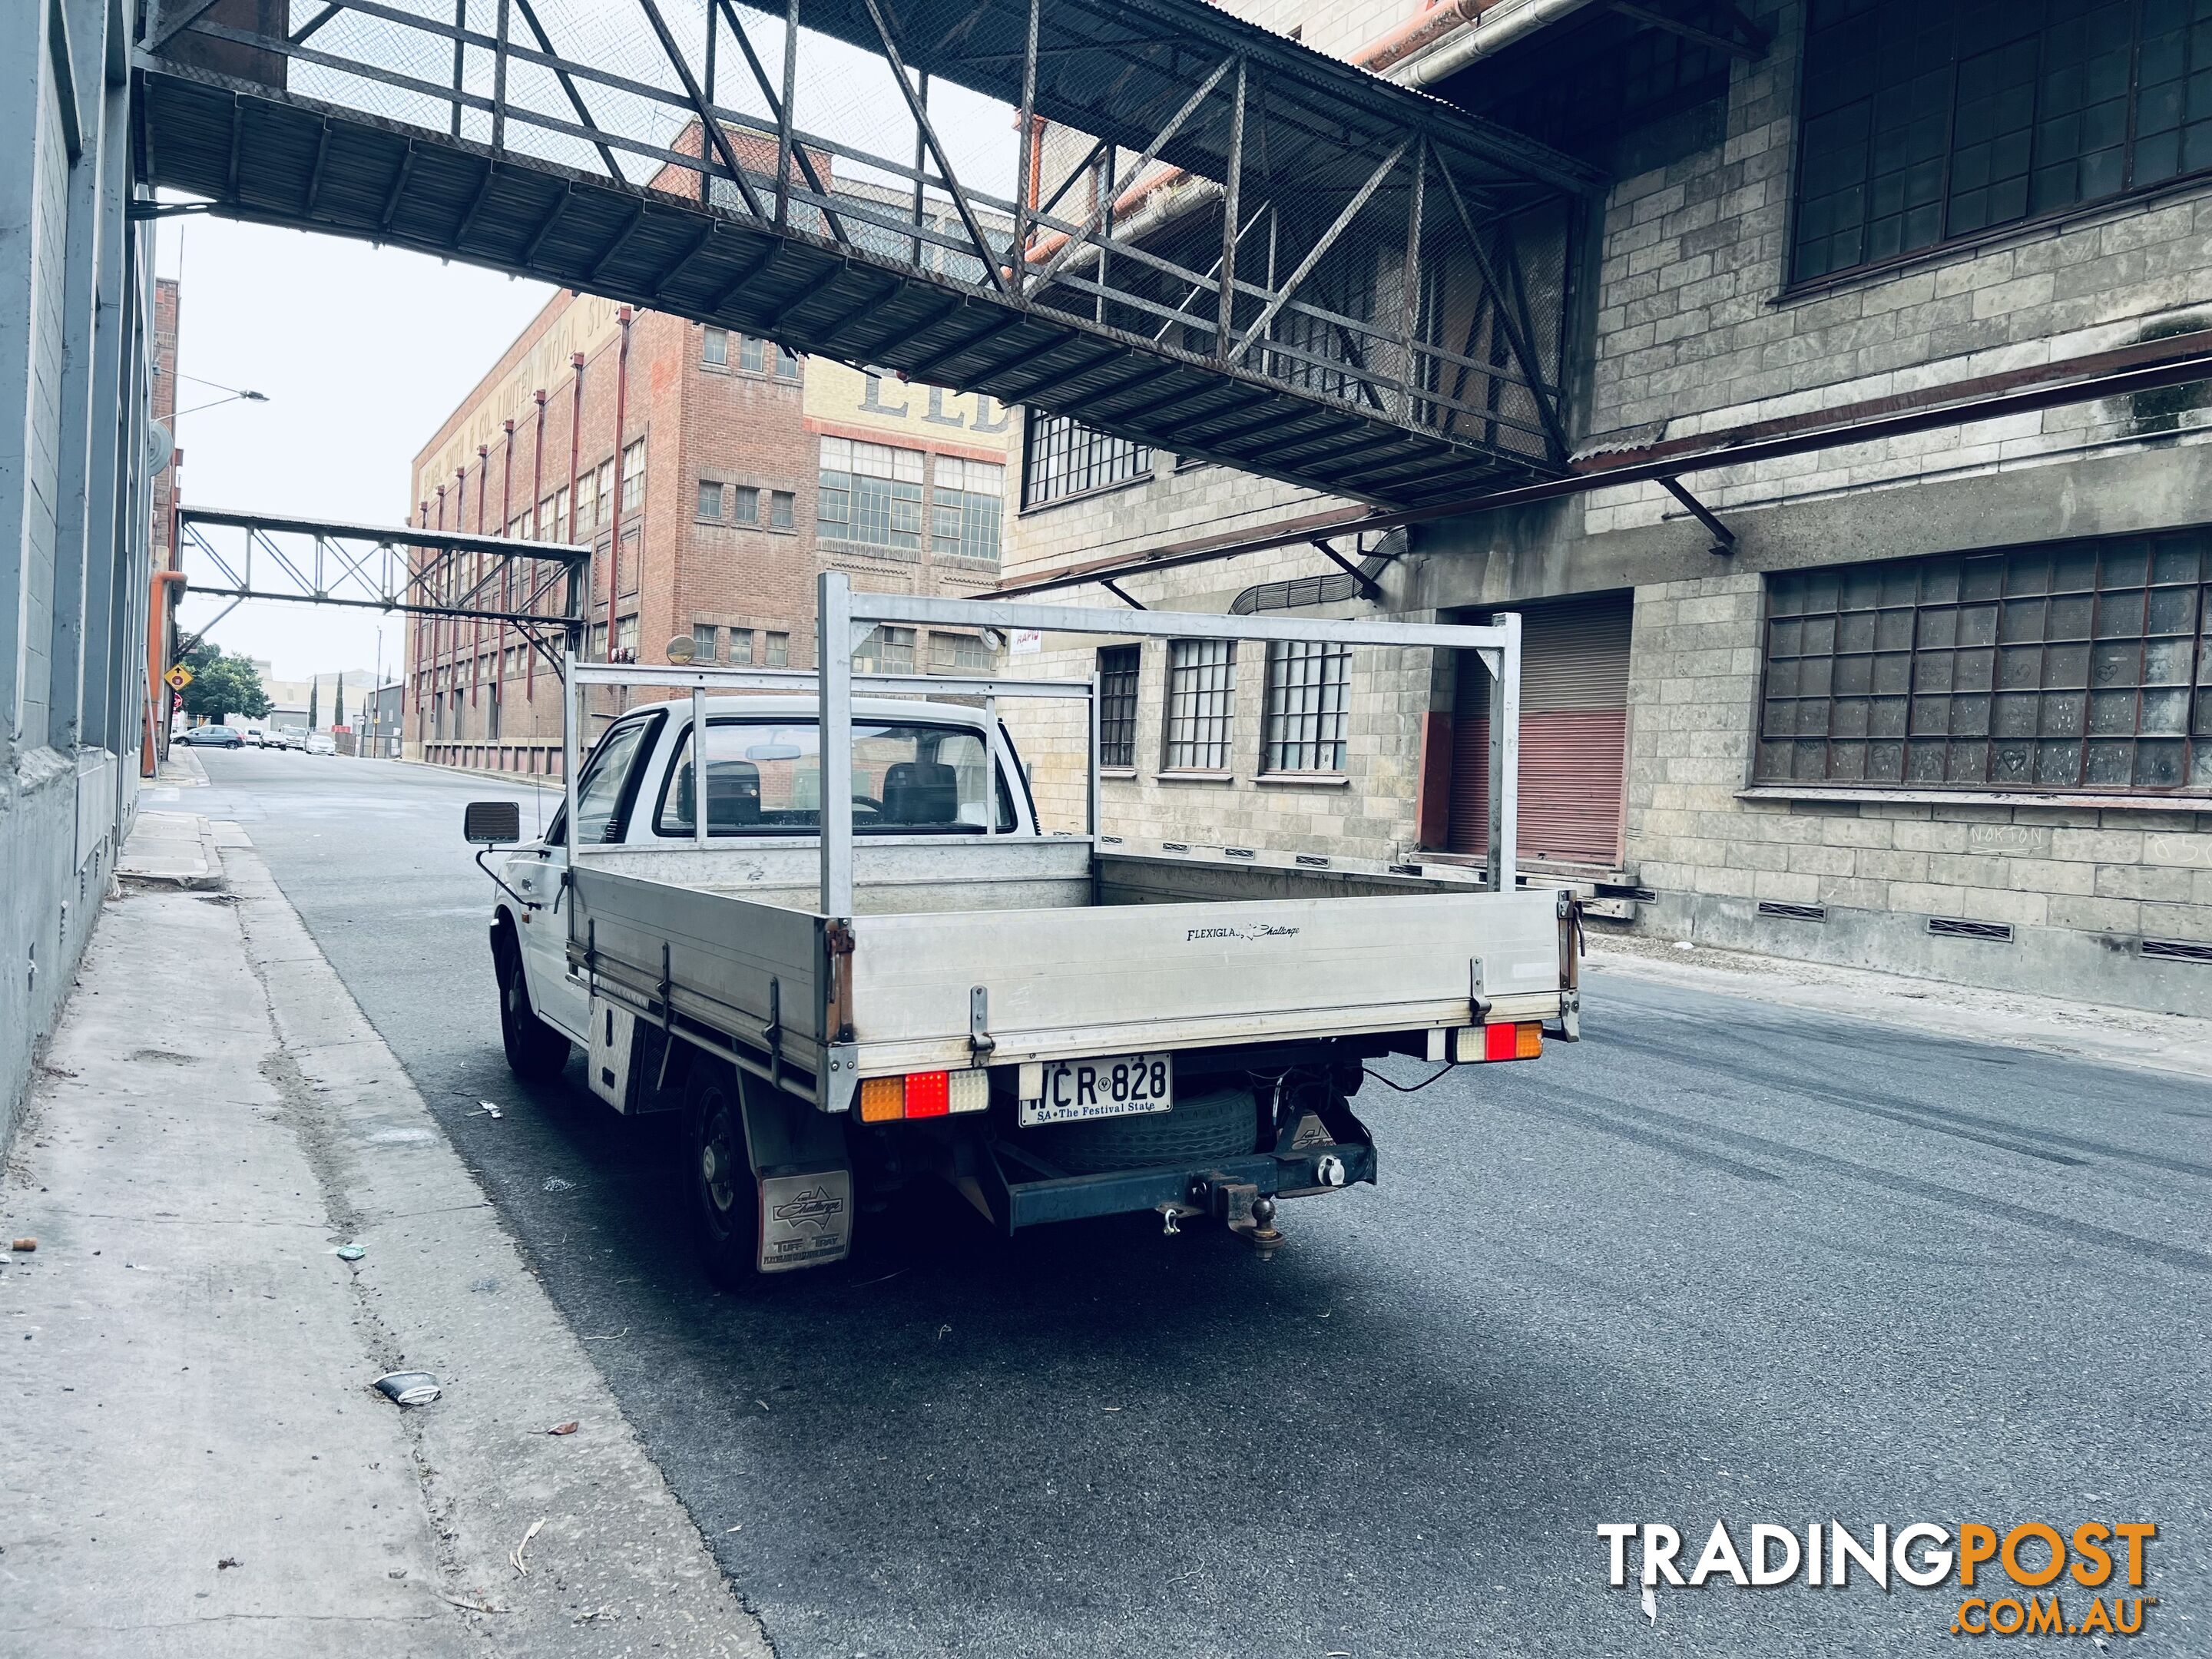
(804, 1176)
(614, 1033)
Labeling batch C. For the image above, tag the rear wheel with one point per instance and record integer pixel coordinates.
(536, 1052)
(725, 1200)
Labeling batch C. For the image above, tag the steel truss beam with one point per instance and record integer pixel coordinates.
(402, 570)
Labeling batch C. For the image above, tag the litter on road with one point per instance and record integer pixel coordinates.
(349, 1253)
(564, 1428)
(27, 1245)
(408, 1388)
(516, 1554)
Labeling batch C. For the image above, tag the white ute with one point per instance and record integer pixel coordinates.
(924, 986)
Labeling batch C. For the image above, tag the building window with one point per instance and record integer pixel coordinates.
(632, 477)
(967, 505)
(886, 651)
(491, 713)
(710, 499)
(702, 642)
(1926, 120)
(741, 647)
(746, 508)
(786, 364)
(1307, 685)
(871, 493)
(626, 637)
(1117, 705)
(2078, 666)
(715, 348)
(605, 494)
(1062, 457)
(779, 651)
(1201, 699)
(959, 654)
(752, 355)
(781, 509)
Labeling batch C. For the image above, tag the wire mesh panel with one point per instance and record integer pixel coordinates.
(1201, 704)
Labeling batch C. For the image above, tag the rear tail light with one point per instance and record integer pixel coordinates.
(923, 1094)
(1507, 1041)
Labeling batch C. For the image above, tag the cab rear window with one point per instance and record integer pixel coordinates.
(765, 778)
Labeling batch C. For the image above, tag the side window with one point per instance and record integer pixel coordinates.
(606, 789)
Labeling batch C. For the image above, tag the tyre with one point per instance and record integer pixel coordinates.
(726, 1199)
(1222, 1123)
(536, 1052)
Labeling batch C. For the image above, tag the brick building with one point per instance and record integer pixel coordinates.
(744, 472)
(1946, 706)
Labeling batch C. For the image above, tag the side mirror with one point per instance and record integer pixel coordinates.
(492, 823)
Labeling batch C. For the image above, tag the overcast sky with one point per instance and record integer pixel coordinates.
(361, 352)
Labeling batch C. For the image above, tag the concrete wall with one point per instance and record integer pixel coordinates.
(75, 506)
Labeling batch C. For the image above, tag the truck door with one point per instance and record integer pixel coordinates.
(606, 793)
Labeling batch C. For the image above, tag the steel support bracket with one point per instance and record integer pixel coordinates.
(1723, 538)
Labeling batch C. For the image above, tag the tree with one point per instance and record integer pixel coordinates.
(223, 685)
(338, 706)
(314, 698)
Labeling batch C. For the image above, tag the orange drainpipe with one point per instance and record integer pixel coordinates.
(157, 691)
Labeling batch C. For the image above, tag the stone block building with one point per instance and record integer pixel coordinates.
(1944, 703)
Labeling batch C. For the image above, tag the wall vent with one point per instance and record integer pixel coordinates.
(1793, 912)
(1951, 927)
(2176, 949)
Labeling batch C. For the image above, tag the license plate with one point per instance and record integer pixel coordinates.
(1113, 1085)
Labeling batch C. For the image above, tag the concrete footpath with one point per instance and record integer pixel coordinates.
(196, 1462)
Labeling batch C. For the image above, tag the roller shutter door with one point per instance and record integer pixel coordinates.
(1574, 735)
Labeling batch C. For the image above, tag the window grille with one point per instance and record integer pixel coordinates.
(1308, 686)
(1927, 120)
(2081, 666)
(1117, 705)
(1062, 457)
(871, 493)
(967, 505)
(1201, 704)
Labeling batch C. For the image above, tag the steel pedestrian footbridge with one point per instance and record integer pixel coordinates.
(1143, 215)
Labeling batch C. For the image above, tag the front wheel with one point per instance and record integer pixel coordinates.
(536, 1052)
(725, 1200)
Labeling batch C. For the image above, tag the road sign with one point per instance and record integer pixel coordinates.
(178, 677)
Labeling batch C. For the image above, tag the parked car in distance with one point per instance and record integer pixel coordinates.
(321, 743)
(289, 738)
(214, 736)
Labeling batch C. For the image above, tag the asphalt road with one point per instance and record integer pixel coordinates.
(1720, 1259)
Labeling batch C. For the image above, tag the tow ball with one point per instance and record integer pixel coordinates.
(1238, 1203)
